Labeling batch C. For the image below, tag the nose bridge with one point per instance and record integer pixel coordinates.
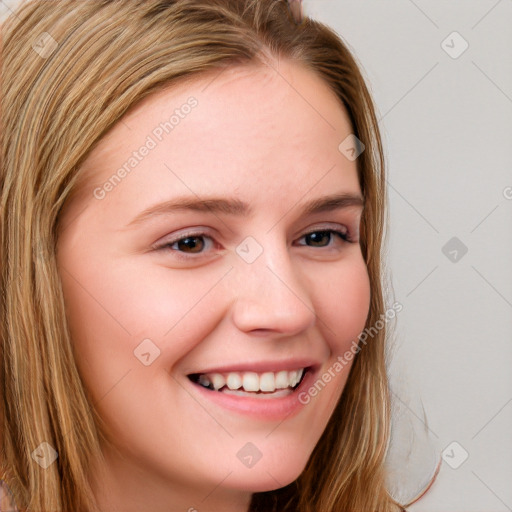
(270, 294)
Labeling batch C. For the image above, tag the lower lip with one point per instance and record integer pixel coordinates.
(261, 408)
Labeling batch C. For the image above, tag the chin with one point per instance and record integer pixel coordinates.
(268, 477)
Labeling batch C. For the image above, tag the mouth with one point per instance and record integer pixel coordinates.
(251, 383)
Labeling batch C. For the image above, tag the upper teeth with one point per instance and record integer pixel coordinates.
(252, 381)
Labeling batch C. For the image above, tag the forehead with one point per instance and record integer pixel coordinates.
(273, 125)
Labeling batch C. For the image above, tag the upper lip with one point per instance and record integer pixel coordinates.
(261, 366)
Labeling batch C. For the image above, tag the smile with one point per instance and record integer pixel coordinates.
(263, 395)
(276, 384)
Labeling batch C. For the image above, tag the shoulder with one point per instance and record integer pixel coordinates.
(6, 499)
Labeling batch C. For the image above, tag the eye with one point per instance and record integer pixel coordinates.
(197, 243)
(316, 237)
(191, 243)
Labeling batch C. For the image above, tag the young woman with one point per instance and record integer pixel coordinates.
(192, 315)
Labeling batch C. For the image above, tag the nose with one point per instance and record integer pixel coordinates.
(270, 295)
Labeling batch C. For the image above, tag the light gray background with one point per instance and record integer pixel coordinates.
(447, 126)
(448, 135)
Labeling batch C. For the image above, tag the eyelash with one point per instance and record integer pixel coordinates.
(345, 237)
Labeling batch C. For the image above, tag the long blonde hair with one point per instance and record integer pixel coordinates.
(70, 71)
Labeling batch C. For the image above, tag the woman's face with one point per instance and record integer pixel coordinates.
(247, 272)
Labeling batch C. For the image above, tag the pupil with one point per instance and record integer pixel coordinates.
(318, 235)
(188, 243)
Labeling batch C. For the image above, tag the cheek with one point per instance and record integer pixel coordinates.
(110, 314)
(343, 302)
(112, 308)
(342, 307)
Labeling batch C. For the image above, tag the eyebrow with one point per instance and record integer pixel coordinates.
(236, 207)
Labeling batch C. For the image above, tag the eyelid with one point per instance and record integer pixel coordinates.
(191, 232)
(326, 227)
(346, 234)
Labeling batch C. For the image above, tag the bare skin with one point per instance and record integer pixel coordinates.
(267, 136)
